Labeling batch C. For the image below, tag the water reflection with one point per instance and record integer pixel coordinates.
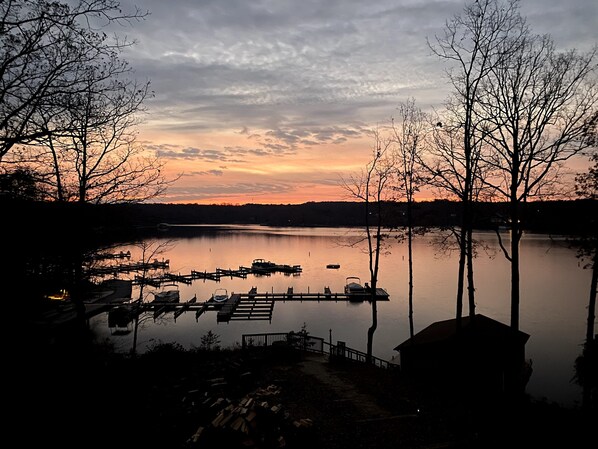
(553, 293)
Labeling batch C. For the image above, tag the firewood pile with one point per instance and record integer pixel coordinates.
(257, 420)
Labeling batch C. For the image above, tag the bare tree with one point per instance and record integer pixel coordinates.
(19, 184)
(85, 146)
(43, 46)
(587, 251)
(99, 160)
(456, 174)
(536, 106)
(372, 187)
(149, 250)
(470, 43)
(409, 136)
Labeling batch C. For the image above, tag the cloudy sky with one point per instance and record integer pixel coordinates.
(272, 101)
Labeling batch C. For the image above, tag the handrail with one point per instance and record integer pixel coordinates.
(313, 344)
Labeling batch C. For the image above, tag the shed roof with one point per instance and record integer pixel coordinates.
(480, 327)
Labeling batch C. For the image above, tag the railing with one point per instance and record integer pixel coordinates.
(249, 340)
(314, 344)
(346, 353)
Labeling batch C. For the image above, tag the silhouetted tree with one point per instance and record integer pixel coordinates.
(586, 372)
(85, 145)
(210, 341)
(446, 164)
(409, 143)
(99, 160)
(149, 250)
(44, 48)
(19, 184)
(536, 105)
(372, 187)
(470, 43)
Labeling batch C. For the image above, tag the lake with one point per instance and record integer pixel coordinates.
(553, 310)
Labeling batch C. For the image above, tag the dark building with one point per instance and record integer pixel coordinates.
(483, 356)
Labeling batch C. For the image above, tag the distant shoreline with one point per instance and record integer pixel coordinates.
(559, 217)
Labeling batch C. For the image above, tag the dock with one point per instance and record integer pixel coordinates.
(142, 270)
(184, 307)
(216, 275)
(259, 306)
(252, 305)
(156, 272)
(120, 268)
(249, 306)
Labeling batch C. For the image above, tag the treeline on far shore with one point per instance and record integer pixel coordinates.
(124, 220)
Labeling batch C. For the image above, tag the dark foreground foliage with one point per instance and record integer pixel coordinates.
(90, 396)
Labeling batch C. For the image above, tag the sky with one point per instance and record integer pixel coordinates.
(274, 101)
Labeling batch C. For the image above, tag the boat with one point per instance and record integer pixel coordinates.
(220, 295)
(353, 286)
(169, 294)
(333, 266)
(262, 264)
(163, 226)
(119, 318)
(354, 290)
(288, 268)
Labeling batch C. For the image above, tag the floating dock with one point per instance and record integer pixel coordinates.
(217, 275)
(114, 270)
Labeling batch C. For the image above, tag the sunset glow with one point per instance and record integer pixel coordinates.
(274, 102)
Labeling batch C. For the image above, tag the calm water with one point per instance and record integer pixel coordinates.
(554, 294)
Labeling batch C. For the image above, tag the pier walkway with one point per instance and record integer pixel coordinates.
(216, 276)
(167, 277)
(252, 305)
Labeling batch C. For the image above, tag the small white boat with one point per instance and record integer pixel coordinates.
(220, 295)
(170, 293)
(353, 286)
(354, 290)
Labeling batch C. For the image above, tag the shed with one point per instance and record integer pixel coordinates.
(484, 354)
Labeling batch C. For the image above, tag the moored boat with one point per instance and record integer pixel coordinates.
(262, 264)
(353, 286)
(170, 293)
(220, 295)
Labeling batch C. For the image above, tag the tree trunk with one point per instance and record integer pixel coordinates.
(461, 278)
(470, 283)
(590, 345)
(374, 264)
(136, 329)
(592, 303)
(410, 262)
(515, 239)
(372, 329)
(466, 204)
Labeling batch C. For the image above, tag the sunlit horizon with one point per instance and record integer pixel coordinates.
(274, 103)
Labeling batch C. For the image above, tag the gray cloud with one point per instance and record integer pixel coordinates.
(268, 147)
(276, 142)
(175, 152)
(221, 63)
(215, 172)
(216, 191)
(289, 74)
(266, 64)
